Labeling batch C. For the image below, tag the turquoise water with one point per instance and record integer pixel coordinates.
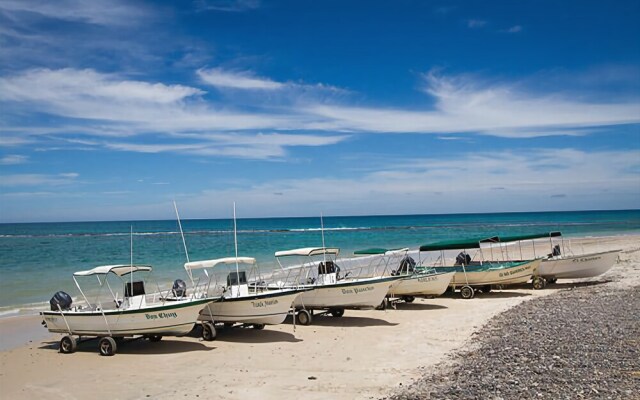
(38, 259)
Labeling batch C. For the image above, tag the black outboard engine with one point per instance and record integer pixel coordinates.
(555, 251)
(463, 258)
(61, 299)
(179, 288)
(407, 265)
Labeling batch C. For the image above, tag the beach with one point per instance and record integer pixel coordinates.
(363, 355)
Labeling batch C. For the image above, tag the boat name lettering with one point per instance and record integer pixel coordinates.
(162, 315)
(264, 303)
(585, 259)
(515, 271)
(357, 290)
(428, 279)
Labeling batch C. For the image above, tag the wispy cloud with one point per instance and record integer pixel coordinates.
(236, 79)
(13, 159)
(92, 12)
(476, 23)
(227, 5)
(464, 104)
(38, 179)
(514, 29)
(523, 180)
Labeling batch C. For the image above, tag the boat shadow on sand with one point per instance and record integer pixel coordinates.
(415, 306)
(250, 335)
(167, 345)
(346, 321)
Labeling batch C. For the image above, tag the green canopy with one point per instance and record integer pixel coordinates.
(517, 238)
(458, 244)
(374, 250)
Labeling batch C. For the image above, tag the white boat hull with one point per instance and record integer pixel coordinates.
(520, 273)
(172, 319)
(422, 285)
(357, 293)
(269, 308)
(575, 267)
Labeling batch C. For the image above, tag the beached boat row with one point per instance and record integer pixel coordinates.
(310, 281)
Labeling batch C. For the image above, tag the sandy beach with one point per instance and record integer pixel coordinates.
(365, 354)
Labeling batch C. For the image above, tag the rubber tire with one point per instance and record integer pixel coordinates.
(337, 312)
(467, 292)
(68, 345)
(208, 331)
(107, 346)
(155, 338)
(539, 283)
(408, 299)
(304, 317)
(258, 326)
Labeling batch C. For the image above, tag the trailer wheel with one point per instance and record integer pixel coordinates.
(68, 345)
(208, 331)
(304, 317)
(467, 292)
(107, 346)
(155, 338)
(258, 326)
(408, 299)
(539, 283)
(337, 312)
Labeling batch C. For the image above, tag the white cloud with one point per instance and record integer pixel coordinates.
(13, 159)
(182, 119)
(514, 29)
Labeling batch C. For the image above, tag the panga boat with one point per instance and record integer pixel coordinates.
(562, 263)
(238, 300)
(412, 284)
(328, 289)
(153, 315)
(472, 275)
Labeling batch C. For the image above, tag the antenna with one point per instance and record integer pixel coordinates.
(186, 253)
(235, 240)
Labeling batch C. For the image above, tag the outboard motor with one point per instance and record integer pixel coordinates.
(179, 288)
(555, 251)
(407, 265)
(463, 258)
(61, 299)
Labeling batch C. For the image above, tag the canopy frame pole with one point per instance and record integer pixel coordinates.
(64, 319)
(235, 241)
(81, 292)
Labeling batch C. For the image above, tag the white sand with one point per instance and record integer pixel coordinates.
(364, 354)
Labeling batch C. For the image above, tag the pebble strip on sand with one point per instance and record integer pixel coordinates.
(578, 343)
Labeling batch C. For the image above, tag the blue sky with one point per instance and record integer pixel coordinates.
(111, 110)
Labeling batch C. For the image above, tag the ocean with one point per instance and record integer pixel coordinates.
(38, 259)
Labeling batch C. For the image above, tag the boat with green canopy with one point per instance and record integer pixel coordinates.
(473, 274)
(562, 262)
(397, 262)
